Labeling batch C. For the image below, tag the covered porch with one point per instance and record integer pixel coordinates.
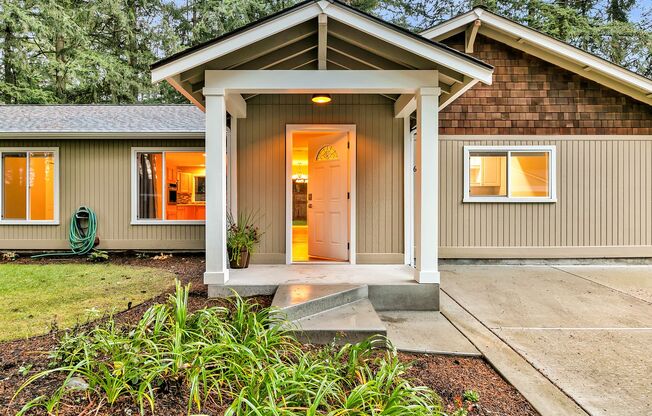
(322, 47)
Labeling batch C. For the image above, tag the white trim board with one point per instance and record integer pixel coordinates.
(57, 171)
(548, 49)
(290, 129)
(316, 81)
(508, 150)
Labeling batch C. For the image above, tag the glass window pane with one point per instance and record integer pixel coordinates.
(150, 185)
(41, 185)
(14, 177)
(186, 185)
(529, 174)
(488, 174)
(327, 152)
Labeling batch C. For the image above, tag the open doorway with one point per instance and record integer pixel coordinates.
(320, 195)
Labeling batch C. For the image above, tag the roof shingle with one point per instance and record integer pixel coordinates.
(101, 119)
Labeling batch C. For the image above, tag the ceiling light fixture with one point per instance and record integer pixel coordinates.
(321, 98)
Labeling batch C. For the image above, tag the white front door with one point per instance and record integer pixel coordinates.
(328, 193)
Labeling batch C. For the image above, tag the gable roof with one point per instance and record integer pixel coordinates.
(101, 120)
(313, 31)
(289, 10)
(548, 49)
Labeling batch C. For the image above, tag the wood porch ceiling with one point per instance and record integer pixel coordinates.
(297, 48)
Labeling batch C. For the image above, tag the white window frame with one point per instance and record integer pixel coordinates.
(552, 172)
(28, 221)
(134, 185)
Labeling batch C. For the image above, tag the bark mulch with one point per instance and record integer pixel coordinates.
(448, 376)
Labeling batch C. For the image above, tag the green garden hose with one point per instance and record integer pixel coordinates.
(83, 229)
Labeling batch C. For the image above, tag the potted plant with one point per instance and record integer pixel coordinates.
(241, 239)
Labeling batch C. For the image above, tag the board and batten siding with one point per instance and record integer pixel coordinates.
(603, 208)
(261, 169)
(97, 173)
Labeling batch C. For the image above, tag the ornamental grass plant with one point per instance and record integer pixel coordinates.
(241, 358)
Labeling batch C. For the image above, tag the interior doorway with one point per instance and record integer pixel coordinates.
(320, 172)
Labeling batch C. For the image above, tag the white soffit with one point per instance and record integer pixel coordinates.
(437, 54)
(549, 49)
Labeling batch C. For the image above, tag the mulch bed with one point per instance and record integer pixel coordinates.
(448, 376)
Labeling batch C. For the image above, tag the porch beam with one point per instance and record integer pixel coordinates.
(310, 81)
(322, 32)
(280, 55)
(362, 55)
(185, 88)
(236, 105)
(296, 62)
(346, 62)
(470, 34)
(405, 105)
(426, 187)
(456, 91)
(215, 147)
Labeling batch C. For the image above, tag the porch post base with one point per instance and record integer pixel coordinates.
(216, 278)
(422, 276)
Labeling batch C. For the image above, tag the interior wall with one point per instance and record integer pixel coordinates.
(261, 169)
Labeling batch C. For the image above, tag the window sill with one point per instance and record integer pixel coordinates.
(510, 200)
(28, 222)
(168, 222)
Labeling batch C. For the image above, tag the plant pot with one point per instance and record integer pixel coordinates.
(243, 262)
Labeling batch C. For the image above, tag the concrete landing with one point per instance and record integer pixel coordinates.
(426, 332)
(353, 322)
(302, 300)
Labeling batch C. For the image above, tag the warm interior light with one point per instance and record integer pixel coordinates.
(321, 98)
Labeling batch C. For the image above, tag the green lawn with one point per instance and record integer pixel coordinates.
(35, 296)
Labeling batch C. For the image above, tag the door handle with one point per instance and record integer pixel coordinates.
(309, 205)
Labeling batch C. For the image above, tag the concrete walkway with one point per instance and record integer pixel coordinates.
(426, 332)
(587, 329)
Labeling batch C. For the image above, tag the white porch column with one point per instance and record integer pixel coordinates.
(216, 270)
(408, 191)
(426, 186)
(233, 167)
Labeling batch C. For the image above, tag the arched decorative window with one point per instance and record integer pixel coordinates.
(327, 152)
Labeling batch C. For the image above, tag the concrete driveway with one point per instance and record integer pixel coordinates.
(588, 329)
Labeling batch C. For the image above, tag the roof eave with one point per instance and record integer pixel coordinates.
(633, 84)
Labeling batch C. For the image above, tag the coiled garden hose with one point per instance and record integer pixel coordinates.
(83, 230)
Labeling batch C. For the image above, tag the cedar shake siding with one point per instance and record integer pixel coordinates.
(532, 96)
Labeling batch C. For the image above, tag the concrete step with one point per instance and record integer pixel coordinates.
(296, 301)
(352, 322)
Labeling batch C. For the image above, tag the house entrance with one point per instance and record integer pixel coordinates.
(320, 203)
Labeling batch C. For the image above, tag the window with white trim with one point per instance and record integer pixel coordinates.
(168, 186)
(509, 174)
(29, 186)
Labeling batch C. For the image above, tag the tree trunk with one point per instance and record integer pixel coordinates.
(9, 71)
(60, 73)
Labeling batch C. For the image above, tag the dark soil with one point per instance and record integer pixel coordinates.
(448, 376)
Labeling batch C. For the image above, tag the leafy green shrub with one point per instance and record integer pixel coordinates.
(241, 235)
(9, 256)
(98, 256)
(238, 356)
(471, 396)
